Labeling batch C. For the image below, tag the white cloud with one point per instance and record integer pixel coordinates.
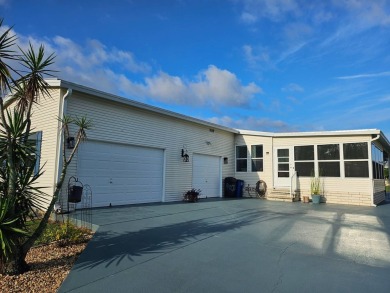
(297, 32)
(365, 75)
(293, 88)
(257, 57)
(223, 86)
(274, 10)
(254, 123)
(212, 86)
(367, 13)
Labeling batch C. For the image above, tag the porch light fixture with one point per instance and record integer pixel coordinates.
(70, 142)
(185, 156)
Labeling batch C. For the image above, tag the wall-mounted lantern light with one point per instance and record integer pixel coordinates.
(185, 156)
(70, 142)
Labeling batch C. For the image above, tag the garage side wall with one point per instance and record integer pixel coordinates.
(44, 120)
(122, 124)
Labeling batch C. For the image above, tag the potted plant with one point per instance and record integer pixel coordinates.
(315, 189)
(192, 195)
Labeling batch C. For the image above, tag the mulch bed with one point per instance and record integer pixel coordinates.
(50, 264)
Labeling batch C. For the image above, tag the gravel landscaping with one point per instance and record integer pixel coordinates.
(50, 264)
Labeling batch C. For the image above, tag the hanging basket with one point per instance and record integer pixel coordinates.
(75, 193)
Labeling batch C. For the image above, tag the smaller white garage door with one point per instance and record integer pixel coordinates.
(121, 174)
(206, 175)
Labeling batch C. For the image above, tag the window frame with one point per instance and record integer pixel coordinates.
(243, 159)
(325, 160)
(257, 159)
(377, 158)
(305, 160)
(356, 160)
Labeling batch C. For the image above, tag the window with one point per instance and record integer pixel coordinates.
(355, 151)
(241, 158)
(304, 160)
(36, 140)
(257, 158)
(329, 160)
(377, 162)
(356, 159)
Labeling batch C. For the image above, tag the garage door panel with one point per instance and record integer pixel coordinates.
(206, 175)
(121, 174)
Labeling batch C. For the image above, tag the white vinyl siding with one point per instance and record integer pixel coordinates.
(250, 177)
(118, 123)
(44, 121)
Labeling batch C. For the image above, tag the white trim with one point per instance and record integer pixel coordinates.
(164, 174)
(291, 167)
(220, 175)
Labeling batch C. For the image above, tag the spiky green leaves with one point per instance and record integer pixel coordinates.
(7, 40)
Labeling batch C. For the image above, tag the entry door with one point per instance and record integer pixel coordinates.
(283, 166)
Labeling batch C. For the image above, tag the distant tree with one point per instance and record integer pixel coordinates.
(20, 196)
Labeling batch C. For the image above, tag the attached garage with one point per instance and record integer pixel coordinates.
(121, 174)
(206, 175)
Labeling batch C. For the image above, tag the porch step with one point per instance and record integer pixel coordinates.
(282, 195)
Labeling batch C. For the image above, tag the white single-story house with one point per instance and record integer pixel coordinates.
(137, 153)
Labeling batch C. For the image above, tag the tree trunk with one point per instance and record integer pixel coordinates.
(15, 265)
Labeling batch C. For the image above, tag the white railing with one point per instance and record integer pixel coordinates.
(293, 184)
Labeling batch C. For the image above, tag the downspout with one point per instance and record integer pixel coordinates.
(370, 164)
(63, 108)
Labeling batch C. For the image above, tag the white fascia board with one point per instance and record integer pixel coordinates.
(129, 102)
(312, 133)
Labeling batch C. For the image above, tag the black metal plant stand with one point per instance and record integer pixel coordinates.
(75, 192)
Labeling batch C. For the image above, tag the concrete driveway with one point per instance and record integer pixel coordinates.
(245, 245)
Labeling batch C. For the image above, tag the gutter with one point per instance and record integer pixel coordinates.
(62, 111)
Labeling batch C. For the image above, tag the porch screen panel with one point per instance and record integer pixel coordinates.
(356, 159)
(329, 160)
(304, 160)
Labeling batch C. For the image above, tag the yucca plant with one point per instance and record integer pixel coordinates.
(19, 192)
(11, 229)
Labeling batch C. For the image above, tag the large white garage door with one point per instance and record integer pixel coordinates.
(206, 175)
(121, 174)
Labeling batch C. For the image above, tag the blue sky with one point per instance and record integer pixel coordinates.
(267, 65)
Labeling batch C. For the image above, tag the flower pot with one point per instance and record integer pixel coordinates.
(75, 193)
(316, 198)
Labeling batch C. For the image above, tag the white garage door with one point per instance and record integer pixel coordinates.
(206, 175)
(121, 174)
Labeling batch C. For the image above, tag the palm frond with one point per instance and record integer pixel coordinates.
(7, 40)
(37, 65)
